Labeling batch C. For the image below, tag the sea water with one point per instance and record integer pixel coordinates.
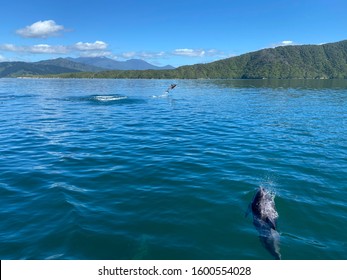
(121, 169)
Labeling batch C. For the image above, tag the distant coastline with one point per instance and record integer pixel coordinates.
(327, 61)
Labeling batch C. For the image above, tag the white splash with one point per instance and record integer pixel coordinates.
(268, 208)
(165, 95)
(107, 98)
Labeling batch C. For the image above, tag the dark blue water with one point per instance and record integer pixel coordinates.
(116, 169)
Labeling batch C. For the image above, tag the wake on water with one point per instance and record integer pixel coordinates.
(164, 95)
(107, 98)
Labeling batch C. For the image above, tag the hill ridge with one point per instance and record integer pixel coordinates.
(326, 61)
(62, 66)
(111, 64)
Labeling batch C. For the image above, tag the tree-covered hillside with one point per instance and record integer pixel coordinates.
(328, 61)
(289, 62)
(16, 69)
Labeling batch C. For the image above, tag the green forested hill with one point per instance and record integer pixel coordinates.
(306, 61)
(17, 68)
(44, 67)
(328, 61)
(289, 62)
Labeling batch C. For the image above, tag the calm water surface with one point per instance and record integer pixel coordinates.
(116, 169)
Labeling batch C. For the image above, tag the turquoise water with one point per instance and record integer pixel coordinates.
(116, 169)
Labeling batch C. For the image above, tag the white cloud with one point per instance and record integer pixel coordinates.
(43, 48)
(152, 54)
(95, 53)
(188, 52)
(10, 48)
(129, 54)
(213, 52)
(100, 48)
(97, 45)
(286, 43)
(35, 49)
(283, 43)
(96, 49)
(199, 53)
(40, 29)
(2, 58)
(143, 55)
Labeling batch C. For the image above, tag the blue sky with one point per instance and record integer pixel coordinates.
(164, 32)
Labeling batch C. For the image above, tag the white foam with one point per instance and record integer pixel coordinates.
(165, 95)
(268, 206)
(107, 98)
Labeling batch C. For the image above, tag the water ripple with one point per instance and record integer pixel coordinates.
(99, 169)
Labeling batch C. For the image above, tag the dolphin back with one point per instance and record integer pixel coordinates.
(264, 219)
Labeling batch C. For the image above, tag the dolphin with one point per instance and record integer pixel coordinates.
(172, 86)
(264, 219)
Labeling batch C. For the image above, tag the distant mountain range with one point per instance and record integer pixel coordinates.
(72, 65)
(110, 64)
(326, 61)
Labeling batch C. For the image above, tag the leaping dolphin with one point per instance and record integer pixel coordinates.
(264, 220)
(171, 87)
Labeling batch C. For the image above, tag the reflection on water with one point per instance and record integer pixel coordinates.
(295, 83)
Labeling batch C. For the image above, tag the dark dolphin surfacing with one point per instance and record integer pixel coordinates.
(264, 220)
